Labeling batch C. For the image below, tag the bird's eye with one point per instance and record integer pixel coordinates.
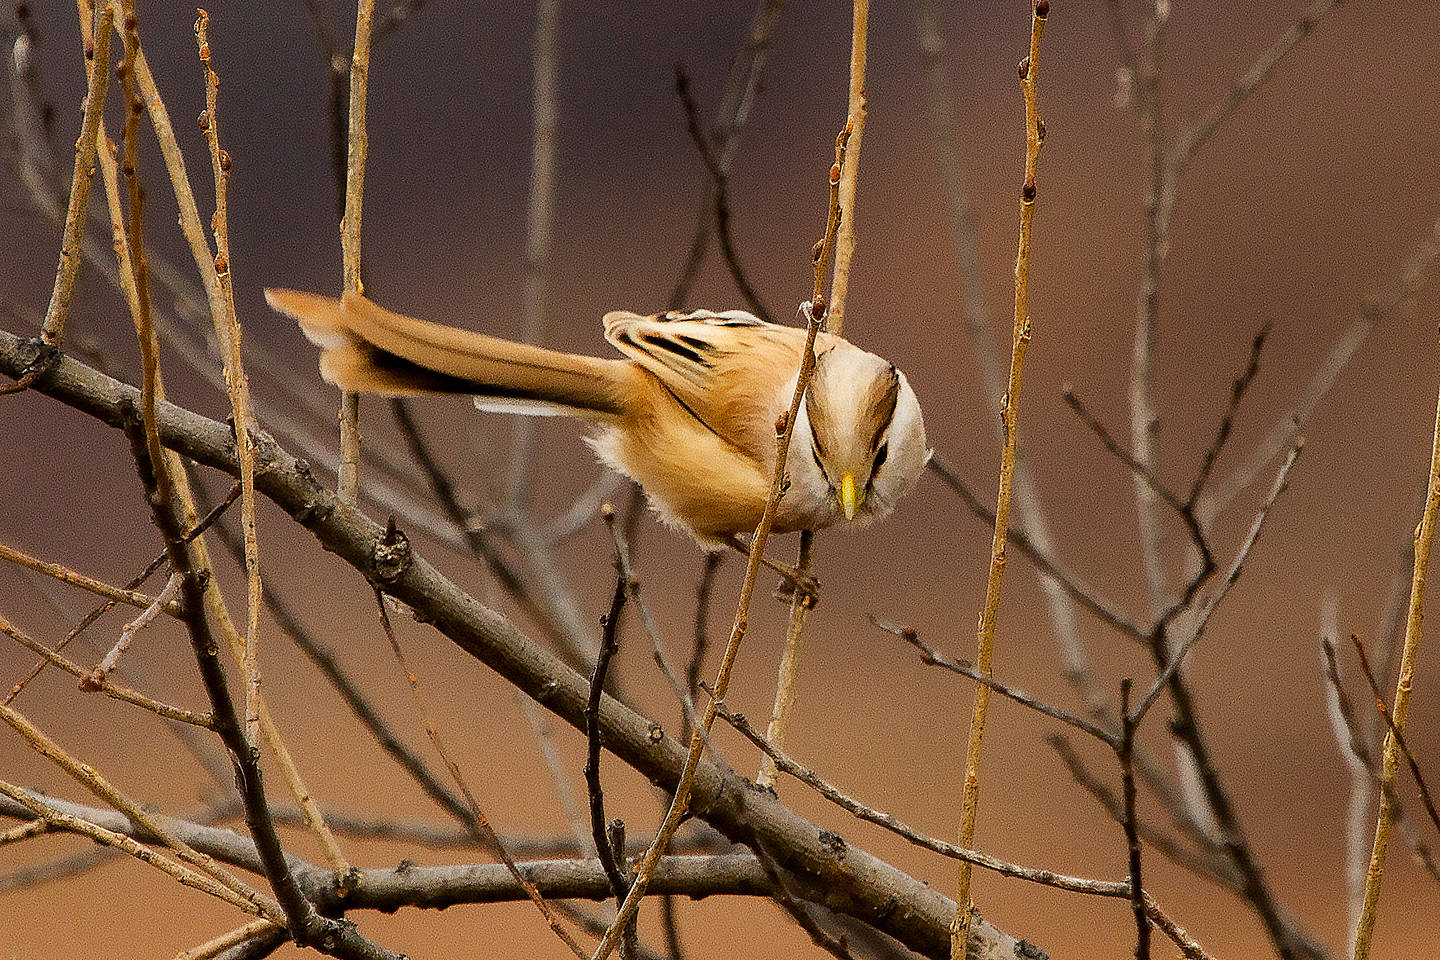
(880, 456)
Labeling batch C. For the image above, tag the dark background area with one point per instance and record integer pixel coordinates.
(1303, 205)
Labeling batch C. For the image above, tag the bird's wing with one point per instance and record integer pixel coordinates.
(728, 370)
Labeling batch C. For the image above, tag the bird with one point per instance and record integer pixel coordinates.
(690, 411)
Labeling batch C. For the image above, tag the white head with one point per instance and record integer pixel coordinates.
(861, 427)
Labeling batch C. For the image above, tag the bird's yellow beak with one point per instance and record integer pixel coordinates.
(850, 498)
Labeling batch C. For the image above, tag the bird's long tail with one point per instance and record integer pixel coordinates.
(368, 349)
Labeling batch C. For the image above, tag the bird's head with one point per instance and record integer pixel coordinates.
(864, 431)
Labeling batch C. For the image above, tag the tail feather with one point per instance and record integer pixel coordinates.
(368, 349)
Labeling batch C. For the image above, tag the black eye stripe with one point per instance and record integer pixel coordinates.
(880, 457)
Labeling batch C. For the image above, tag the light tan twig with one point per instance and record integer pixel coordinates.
(23, 832)
(89, 681)
(348, 484)
(785, 686)
(206, 265)
(128, 632)
(786, 692)
(109, 838)
(1424, 538)
(850, 176)
(1009, 412)
(236, 383)
(64, 574)
(90, 778)
(97, 56)
(1031, 532)
(214, 947)
(679, 805)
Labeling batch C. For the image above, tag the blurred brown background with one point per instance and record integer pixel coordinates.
(1305, 203)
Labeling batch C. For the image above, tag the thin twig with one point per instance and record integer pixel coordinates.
(98, 587)
(1125, 753)
(964, 668)
(1384, 711)
(696, 666)
(1227, 420)
(87, 776)
(477, 821)
(742, 87)
(136, 581)
(1233, 574)
(1009, 412)
(1033, 533)
(679, 805)
(215, 946)
(720, 176)
(609, 646)
(1390, 760)
(97, 62)
(236, 383)
(1359, 751)
(1198, 133)
(128, 632)
(850, 178)
(540, 220)
(348, 485)
(104, 684)
(785, 684)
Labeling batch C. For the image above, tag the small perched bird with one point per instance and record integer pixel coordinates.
(690, 414)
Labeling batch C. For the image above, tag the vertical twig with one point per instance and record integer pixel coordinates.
(545, 106)
(348, 483)
(97, 57)
(168, 472)
(236, 383)
(845, 240)
(600, 828)
(801, 603)
(1144, 420)
(989, 361)
(1125, 753)
(1009, 412)
(785, 687)
(1424, 538)
(814, 314)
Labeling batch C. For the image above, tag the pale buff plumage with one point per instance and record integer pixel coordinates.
(690, 414)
